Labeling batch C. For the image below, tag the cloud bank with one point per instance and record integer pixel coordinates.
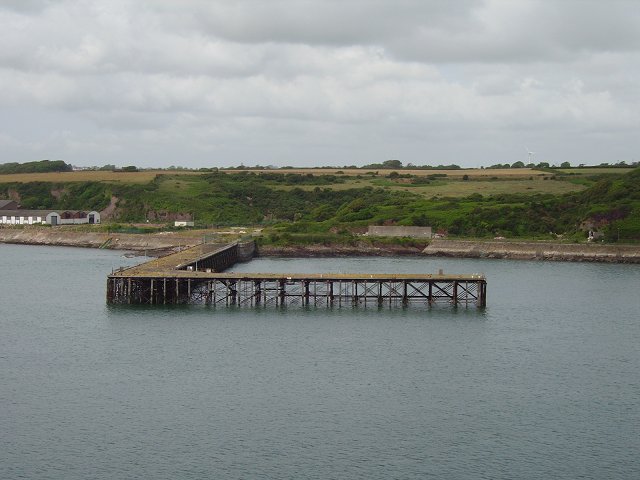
(318, 82)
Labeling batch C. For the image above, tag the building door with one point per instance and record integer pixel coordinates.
(92, 219)
(54, 220)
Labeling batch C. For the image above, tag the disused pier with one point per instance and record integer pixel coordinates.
(195, 276)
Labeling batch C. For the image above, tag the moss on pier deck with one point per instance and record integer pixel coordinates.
(169, 265)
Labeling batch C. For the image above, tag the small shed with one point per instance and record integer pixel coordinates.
(183, 223)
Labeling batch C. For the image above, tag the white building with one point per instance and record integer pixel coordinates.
(20, 216)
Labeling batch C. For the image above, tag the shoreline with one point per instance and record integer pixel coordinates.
(159, 244)
(541, 251)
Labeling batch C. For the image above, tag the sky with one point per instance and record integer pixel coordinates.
(214, 83)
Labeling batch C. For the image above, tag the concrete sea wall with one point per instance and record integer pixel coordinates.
(395, 231)
(535, 251)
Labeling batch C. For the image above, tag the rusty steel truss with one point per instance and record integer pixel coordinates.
(193, 277)
(271, 289)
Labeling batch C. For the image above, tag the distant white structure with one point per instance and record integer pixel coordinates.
(12, 214)
(530, 154)
(594, 235)
(183, 223)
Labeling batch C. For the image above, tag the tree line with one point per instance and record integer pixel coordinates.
(39, 166)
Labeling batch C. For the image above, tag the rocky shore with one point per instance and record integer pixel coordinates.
(153, 244)
(166, 242)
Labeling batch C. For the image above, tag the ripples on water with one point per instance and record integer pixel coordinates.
(542, 384)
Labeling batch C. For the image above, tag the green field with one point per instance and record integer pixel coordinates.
(449, 183)
(145, 176)
(594, 170)
(458, 187)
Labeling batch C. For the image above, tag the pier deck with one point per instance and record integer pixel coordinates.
(175, 262)
(195, 276)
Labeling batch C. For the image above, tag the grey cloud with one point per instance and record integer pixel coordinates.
(25, 6)
(590, 25)
(525, 32)
(306, 81)
(461, 31)
(324, 22)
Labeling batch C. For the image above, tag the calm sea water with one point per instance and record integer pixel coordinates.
(544, 383)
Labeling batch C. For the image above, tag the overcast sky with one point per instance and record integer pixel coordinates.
(319, 82)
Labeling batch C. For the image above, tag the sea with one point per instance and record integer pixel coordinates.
(544, 383)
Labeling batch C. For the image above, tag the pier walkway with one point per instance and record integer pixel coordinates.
(196, 276)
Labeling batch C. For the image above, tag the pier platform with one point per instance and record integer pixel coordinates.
(197, 276)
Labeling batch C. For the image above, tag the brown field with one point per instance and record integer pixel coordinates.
(90, 176)
(472, 172)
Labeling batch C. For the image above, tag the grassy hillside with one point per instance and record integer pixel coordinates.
(304, 203)
(612, 204)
